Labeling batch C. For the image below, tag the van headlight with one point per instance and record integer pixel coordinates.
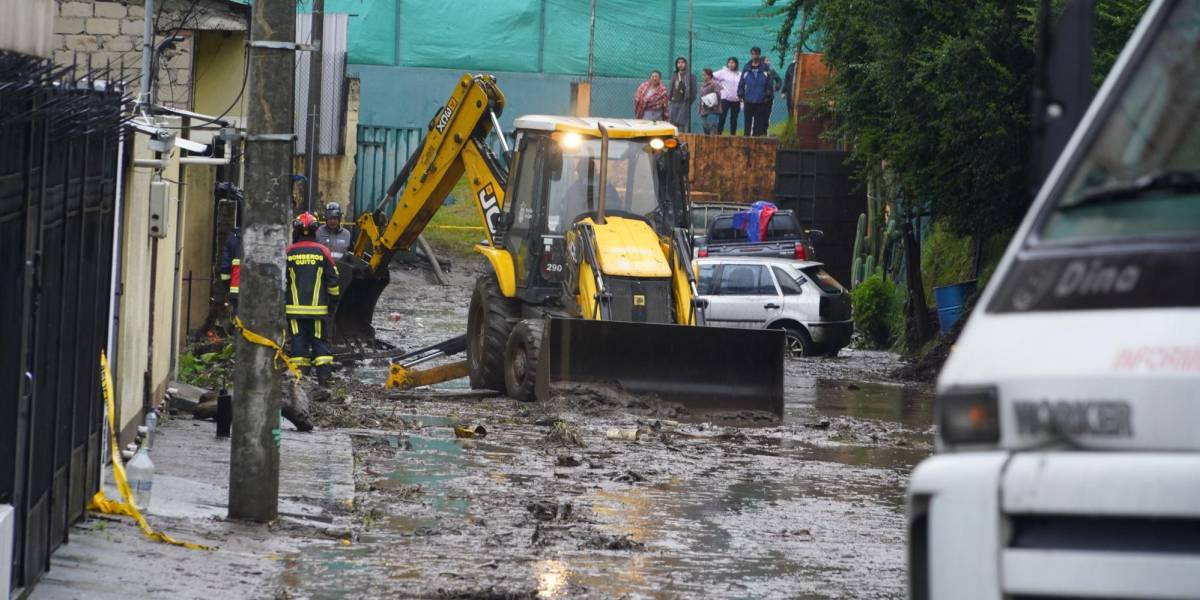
(969, 416)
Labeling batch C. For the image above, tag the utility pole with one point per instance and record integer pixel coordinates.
(313, 138)
(257, 385)
(147, 55)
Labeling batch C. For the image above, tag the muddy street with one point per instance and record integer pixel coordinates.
(594, 495)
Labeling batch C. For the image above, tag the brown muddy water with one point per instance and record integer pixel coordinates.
(548, 506)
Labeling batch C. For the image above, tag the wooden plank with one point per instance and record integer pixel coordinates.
(731, 168)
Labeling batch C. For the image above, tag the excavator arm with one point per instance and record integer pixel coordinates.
(455, 144)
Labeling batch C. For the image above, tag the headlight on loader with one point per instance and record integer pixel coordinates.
(969, 416)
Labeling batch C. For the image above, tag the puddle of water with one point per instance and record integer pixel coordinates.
(911, 406)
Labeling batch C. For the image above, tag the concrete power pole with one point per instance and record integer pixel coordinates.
(315, 72)
(257, 385)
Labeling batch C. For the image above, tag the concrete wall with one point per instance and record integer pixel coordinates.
(196, 259)
(146, 313)
(26, 25)
(220, 64)
(408, 97)
(110, 33)
(337, 170)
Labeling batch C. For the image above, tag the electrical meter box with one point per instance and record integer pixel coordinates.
(160, 194)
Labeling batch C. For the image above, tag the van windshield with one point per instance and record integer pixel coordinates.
(1141, 172)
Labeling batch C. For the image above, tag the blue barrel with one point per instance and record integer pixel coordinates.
(950, 300)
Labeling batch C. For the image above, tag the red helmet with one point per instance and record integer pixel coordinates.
(305, 224)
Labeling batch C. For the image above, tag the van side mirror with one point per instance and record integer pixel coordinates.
(815, 235)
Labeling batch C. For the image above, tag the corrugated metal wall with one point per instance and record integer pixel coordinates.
(333, 82)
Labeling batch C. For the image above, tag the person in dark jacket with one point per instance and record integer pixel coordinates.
(683, 93)
(789, 85)
(756, 90)
(231, 267)
(312, 294)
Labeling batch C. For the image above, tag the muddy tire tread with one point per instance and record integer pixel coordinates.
(527, 333)
(499, 314)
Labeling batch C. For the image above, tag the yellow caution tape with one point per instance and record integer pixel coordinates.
(102, 504)
(255, 338)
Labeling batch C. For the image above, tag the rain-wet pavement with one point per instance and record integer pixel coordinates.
(547, 505)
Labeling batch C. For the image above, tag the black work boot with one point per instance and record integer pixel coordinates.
(325, 375)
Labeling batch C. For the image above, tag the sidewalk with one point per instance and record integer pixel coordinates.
(108, 557)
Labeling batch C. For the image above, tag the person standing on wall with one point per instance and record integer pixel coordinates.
(776, 84)
(710, 103)
(731, 105)
(756, 90)
(650, 100)
(683, 93)
(789, 85)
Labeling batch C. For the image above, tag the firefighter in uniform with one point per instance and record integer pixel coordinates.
(231, 267)
(312, 294)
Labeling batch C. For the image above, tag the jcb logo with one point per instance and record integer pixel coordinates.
(490, 208)
(444, 117)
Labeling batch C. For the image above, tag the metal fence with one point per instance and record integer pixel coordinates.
(58, 174)
(382, 151)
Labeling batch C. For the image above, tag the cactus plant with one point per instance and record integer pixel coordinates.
(856, 272)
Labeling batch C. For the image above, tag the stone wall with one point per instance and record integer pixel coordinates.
(110, 33)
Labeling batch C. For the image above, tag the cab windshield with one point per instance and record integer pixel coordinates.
(1139, 175)
(574, 181)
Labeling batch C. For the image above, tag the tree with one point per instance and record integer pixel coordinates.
(939, 92)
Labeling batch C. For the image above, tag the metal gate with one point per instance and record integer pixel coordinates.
(382, 151)
(58, 174)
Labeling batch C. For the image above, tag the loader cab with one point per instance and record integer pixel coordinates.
(555, 180)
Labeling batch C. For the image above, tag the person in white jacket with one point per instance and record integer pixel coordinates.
(731, 105)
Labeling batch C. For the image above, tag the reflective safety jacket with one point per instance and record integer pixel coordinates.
(312, 279)
(231, 260)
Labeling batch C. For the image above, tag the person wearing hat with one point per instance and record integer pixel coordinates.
(312, 294)
(332, 235)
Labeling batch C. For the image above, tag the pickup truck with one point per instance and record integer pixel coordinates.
(785, 239)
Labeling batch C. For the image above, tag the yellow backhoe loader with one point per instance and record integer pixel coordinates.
(591, 282)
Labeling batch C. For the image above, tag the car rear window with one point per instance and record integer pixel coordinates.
(722, 230)
(824, 280)
(781, 227)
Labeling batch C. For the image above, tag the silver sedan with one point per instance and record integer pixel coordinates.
(799, 297)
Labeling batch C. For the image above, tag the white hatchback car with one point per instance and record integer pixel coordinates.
(778, 293)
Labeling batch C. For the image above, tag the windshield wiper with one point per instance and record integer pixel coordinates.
(1152, 185)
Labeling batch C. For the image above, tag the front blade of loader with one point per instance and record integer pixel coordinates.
(705, 369)
(360, 291)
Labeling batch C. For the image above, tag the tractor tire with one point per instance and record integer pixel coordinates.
(489, 322)
(521, 360)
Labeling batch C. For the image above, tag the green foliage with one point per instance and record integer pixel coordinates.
(939, 91)
(875, 306)
(455, 228)
(946, 259)
(208, 370)
(786, 134)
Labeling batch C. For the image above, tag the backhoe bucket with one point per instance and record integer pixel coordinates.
(707, 370)
(360, 291)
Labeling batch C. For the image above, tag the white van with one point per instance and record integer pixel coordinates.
(1068, 413)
